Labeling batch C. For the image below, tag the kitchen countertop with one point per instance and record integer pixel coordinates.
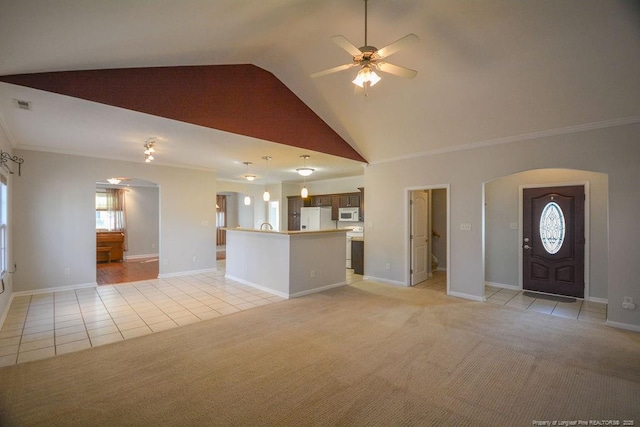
(287, 232)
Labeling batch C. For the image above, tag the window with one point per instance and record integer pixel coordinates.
(552, 228)
(110, 209)
(3, 226)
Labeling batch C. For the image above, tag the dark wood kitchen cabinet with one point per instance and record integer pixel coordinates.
(350, 200)
(321, 200)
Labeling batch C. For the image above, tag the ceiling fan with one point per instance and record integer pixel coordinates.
(370, 58)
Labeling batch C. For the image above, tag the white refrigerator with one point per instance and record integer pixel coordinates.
(319, 218)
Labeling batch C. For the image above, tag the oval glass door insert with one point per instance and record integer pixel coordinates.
(552, 228)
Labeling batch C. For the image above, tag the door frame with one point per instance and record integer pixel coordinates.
(407, 229)
(585, 184)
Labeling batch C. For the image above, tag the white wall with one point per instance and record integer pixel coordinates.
(258, 206)
(332, 186)
(54, 206)
(502, 244)
(143, 221)
(614, 151)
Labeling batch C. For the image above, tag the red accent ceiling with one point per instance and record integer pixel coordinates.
(241, 99)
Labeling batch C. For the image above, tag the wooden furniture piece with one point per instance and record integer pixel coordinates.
(114, 240)
(103, 252)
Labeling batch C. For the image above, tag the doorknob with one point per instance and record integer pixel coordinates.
(526, 239)
(527, 247)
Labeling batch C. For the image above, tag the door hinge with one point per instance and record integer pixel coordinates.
(411, 237)
(411, 271)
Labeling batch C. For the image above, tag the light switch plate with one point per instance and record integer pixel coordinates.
(465, 226)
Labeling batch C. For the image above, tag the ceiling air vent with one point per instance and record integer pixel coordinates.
(23, 105)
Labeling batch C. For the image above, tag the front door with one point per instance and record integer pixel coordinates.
(553, 240)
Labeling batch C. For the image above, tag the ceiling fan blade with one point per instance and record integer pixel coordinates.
(346, 45)
(396, 70)
(333, 70)
(397, 45)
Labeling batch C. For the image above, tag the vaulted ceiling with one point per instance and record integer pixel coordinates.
(489, 72)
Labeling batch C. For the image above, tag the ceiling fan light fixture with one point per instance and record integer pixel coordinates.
(366, 75)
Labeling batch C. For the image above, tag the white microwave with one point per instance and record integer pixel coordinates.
(349, 214)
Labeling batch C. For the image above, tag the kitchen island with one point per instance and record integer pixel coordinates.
(286, 263)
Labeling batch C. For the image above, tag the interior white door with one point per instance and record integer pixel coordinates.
(419, 236)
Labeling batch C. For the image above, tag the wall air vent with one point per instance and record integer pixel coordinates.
(23, 105)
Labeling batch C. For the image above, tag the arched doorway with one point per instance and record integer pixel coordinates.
(503, 227)
(127, 230)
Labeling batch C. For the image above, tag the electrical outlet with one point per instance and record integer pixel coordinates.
(67, 270)
(195, 259)
(312, 274)
(388, 266)
(627, 303)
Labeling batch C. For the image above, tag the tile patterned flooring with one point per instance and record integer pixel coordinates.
(44, 325)
(571, 308)
(548, 304)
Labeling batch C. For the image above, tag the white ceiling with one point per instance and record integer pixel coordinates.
(489, 72)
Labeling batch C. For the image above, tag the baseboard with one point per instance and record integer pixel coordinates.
(187, 273)
(503, 286)
(128, 257)
(255, 285)
(598, 300)
(467, 296)
(385, 281)
(56, 289)
(627, 326)
(320, 289)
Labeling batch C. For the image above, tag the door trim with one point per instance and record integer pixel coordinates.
(585, 184)
(407, 230)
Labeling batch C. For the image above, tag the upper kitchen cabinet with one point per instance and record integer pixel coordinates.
(321, 200)
(351, 200)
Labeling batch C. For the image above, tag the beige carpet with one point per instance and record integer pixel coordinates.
(365, 354)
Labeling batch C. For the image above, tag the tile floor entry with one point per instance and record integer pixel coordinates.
(571, 308)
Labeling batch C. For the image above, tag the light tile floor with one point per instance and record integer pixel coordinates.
(49, 324)
(556, 306)
(571, 308)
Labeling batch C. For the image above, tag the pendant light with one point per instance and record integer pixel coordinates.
(266, 196)
(305, 172)
(248, 177)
